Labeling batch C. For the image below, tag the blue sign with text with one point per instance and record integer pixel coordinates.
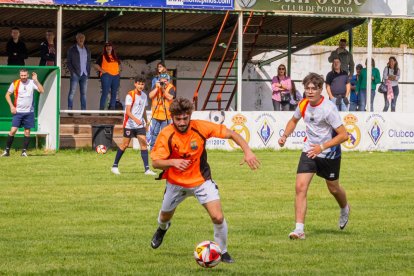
(175, 4)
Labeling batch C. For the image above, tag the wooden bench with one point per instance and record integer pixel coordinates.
(36, 134)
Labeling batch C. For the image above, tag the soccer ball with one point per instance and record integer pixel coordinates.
(217, 117)
(207, 254)
(100, 149)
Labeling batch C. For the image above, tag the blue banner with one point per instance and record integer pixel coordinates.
(174, 4)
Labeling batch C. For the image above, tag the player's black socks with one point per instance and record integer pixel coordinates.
(118, 156)
(9, 142)
(144, 156)
(26, 141)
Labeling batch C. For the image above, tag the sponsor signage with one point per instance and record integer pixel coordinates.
(174, 4)
(266, 123)
(366, 131)
(328, 7)
(305, 6)
(354, 133)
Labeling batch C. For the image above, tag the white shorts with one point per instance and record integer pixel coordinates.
(174, 194)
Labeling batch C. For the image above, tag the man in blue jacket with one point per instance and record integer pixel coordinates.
(78, 61)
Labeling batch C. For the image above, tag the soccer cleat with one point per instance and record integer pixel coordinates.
(24, 154)
(343, 217)
(115, 170)
(149, 172)
(158, 237)
(297, 235)
(5, 154)
(226, 258)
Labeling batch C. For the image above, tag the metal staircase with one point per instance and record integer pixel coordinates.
(224, 84)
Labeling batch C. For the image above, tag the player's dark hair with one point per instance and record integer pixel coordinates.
(138, 79)
(23, 70)
(315, 79)
(181, 106)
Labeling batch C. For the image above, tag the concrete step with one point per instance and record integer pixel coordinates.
(84, 141)
(76, 129)
(92, 120)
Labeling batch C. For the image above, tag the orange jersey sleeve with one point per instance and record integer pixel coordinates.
(161, 150)
(209, 129)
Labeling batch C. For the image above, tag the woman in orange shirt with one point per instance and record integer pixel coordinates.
(108, 66)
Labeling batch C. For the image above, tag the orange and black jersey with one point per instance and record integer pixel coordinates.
(172, 144)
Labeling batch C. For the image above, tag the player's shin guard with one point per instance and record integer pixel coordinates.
(220, 235)
(144, 156)
(9, 142)
(26, 141)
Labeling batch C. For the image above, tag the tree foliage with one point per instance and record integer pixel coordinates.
(385, 32)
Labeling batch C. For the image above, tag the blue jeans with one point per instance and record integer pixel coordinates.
(340, 107)
(156, 127)
(109, 82)
(83, 86)
(362, 100)
(396, 91)
(372, 100)
(353, 106)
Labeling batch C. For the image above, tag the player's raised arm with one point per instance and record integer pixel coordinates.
(38, 84)
(249, 157)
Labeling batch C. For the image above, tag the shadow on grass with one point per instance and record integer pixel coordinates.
(196, 268)
(335, 232)
(41, 154)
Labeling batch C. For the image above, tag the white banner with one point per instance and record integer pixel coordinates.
(367, 131)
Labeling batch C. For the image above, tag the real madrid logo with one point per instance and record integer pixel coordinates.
(354, 133)
(240, 128)
(246, 3)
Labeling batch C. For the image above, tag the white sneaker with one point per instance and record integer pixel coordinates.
(24, 154)
(149, 172)
(115, 170)
(5, 154)
(343, 217)
(297, 235)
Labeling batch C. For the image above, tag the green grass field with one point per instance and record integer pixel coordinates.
(65, 213)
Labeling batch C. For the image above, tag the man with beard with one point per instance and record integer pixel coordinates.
(180, 152)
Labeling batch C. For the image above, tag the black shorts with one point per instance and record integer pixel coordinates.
(323, 167)
(134, 132)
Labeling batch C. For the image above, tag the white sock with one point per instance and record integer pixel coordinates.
(345, 210)
(300, 226)
(220, 235)
(163, 225)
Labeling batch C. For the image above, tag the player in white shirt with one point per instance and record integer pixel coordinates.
(135, 125)
(322, 151)
(22, 108)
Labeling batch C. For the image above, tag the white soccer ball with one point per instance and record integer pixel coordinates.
(100, 149)
(217, 117)
(207, 254)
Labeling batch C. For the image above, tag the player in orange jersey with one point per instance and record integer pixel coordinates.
(180, 151)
